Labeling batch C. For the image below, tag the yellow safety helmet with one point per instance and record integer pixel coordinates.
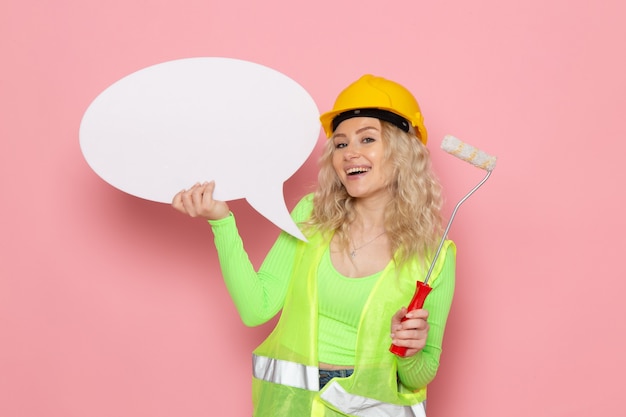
(372, 96)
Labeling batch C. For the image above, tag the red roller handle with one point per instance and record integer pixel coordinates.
(417, 302)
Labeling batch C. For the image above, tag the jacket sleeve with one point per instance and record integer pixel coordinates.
(420, 369)
(258, 295)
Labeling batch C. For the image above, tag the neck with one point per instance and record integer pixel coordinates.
(370, 214)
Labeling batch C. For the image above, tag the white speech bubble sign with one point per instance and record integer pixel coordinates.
(165, 127)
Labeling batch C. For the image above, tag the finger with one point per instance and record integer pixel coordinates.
(197, 195)
(177, 202)
(417, 331)
(396, 319)
(408, 340)
(415, 339)
(419, 313)
(207, 195)
(210, 187)
(399, 315)
(415, 324)
(411, 329)
(411, 344)
(187, 202)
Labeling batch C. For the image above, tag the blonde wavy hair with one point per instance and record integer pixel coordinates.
(413, 218)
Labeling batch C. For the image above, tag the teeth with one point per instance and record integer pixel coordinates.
(357, 170)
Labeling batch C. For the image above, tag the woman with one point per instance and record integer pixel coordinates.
(371, 226)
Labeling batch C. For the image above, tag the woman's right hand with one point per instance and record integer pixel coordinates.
(198, 202)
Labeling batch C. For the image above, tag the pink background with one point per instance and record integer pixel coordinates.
(114, 306)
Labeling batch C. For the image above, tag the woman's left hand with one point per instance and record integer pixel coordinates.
(412, 332)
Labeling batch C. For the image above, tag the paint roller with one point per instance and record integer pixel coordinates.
(478, 158)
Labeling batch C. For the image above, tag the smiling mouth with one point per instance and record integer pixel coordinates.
(357, 170)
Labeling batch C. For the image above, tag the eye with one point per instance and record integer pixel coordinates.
(368, 139)
(340, 145)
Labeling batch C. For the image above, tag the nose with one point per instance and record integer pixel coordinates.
(350, 152)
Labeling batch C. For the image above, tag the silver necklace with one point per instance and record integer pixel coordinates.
(353, 252)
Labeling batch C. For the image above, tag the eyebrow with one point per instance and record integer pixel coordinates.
(361, 130)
